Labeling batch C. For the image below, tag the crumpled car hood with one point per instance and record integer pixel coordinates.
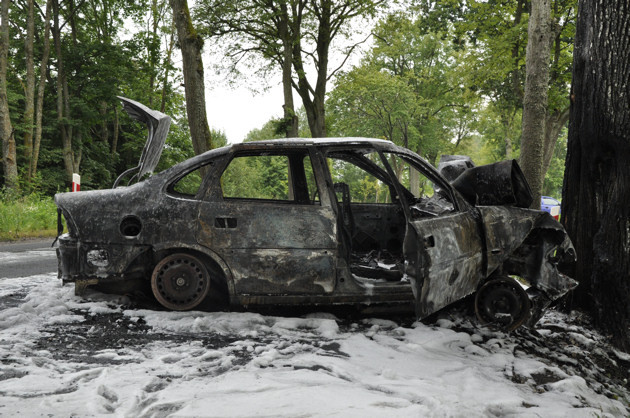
(530, 242)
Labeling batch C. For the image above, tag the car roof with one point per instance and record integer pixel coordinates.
(284, 143)
(304, 142)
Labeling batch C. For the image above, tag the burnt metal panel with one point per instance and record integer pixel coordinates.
(530, 244)
(501, 183)
(272, 247)
(157, 125)
(450, 261)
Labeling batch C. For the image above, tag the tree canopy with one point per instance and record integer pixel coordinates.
(438, 77)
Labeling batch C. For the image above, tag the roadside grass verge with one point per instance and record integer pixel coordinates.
(27, 217)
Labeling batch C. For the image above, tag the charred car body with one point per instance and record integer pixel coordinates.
(317, 221)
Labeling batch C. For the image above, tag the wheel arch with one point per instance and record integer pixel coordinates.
(212, 261)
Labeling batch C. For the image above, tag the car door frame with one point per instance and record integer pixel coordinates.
(268, 262)
(443, 263)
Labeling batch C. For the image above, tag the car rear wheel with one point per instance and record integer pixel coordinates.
(502, 303)
(180, 282)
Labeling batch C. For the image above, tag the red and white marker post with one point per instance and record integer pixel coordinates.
(76, 182)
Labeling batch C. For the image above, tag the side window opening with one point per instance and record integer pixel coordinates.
(372, 222)
(274, 177)
(190, 183)
(371, 215)
(311, 184)
(426, 198)
(364, 185)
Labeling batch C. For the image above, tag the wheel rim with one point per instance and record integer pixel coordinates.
(180, 282)
(502, 303)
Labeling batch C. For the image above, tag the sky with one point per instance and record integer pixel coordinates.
(236, 111)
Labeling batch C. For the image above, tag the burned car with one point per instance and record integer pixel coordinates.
(317, 222)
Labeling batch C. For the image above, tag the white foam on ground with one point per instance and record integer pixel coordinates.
(273, 366)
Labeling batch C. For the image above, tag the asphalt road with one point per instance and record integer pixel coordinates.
(27, 258)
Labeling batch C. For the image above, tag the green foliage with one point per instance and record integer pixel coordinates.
(491, 37)
(190, 183)
(407, 90)
(108, 48)
(26, 216)
(442, 77)
(267, 131)
(257, 177)
(552, 185)
(363, 187)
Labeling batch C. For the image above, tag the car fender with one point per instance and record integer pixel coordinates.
(527, 243)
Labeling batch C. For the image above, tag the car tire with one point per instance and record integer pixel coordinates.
(180, 282)
(502, 303)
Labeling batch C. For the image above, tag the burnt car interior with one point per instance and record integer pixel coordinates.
(373, 214)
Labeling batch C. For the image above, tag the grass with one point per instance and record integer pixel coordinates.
(27, 217)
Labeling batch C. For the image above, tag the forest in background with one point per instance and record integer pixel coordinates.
(438, 77)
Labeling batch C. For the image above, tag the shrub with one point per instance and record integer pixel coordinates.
(26, 216)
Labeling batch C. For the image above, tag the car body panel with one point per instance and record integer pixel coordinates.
(451, 260)
(158, 125)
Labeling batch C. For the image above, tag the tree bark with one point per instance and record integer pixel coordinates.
(191, 44)
(63, 103)
(553, 125)
(535, 99)
(313, 97)
(596, 187)
(167, 64)
(9, 160)
(115, 133)
(288, 39)
(151, 51)
(40, 92)
(29, 99)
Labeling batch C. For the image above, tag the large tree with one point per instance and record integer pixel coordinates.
(7, 135)
(271, 29)
(535, 96)
(191, 44)
(596, 193)
(43, 69)
(295, 36)
(496, 37)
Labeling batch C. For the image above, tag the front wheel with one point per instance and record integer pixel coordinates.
(180, 282)
(502, 303)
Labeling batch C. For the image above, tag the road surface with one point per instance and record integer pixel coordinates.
(27, 258)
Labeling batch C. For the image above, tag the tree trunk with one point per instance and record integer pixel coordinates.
(166, 66)
(29, 99)
(6, 129)
(516, 49)
(63, 104)
(313, 98)
(191, 44)
(151, 51)
(596, 187)
(40, 91)
(287, 37)
(116, 130)
(553, 126)
(535, 99)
